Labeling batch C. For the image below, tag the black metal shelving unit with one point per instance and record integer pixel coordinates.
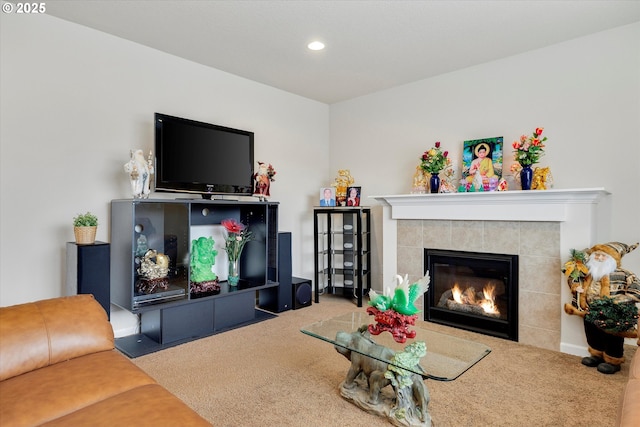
(342, 242)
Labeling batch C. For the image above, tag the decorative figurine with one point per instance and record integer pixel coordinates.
(153, 271)
(542, 179)
(605, 296)
(343, 181)
(203, 258)
(140, 171)
(420, 181)
(396, 313)
(141, 245)
(263, 178)
(447, 182)
(503, 185)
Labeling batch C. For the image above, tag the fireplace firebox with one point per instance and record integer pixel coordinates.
(473, 291)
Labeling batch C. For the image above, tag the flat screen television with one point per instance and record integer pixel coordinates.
(202, 158)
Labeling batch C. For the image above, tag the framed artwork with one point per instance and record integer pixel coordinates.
(353, 196)
(327, 196)
(481, 164)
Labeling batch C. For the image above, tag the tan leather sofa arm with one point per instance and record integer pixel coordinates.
(42, 333)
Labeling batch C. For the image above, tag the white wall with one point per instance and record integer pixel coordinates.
(585, 93)
(75, 101)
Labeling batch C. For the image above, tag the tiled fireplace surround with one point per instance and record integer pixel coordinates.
(539, 226)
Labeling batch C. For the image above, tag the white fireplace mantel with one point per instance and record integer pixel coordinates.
(547, 205)
(583, 215)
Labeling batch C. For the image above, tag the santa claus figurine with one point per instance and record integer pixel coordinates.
(597, 280)
(263, 177)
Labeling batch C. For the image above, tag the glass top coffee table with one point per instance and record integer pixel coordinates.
(447, 357)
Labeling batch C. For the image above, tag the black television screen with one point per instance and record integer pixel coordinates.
(202, 158)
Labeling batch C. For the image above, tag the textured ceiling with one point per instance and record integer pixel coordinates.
(371, 45)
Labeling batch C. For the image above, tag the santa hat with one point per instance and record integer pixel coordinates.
(614, 249)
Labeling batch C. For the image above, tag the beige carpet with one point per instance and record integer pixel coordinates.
(270, 374)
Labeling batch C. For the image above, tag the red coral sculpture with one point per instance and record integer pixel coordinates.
(393, 322)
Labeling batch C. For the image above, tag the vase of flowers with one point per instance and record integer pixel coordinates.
(433, 161)
(527, 152)
(239, 235)
(234, 272)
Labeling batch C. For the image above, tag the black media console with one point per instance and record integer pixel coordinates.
(173, 314)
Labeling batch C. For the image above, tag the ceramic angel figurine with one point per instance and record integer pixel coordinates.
(140, 171)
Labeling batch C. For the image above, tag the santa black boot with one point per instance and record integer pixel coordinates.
(595, 359)
(611, 365)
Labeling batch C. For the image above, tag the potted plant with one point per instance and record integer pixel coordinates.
(84, 228)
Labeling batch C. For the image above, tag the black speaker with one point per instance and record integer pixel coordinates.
(88, 272)
(301, 292)
(279, 299)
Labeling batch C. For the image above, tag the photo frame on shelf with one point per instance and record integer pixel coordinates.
(353, 196)
(481, 164)
(327, 196)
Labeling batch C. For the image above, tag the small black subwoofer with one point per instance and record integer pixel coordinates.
(301, 292)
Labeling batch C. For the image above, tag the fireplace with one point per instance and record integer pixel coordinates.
(540, 227)
(473, 291)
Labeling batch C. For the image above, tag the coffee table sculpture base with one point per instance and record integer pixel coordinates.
(367, 378)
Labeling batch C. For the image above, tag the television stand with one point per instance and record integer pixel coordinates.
(181, 312)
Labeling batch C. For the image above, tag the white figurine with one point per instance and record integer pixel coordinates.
(140, 171)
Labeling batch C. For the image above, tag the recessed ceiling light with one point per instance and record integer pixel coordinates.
(316, 45)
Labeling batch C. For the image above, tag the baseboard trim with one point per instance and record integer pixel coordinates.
(576, 350)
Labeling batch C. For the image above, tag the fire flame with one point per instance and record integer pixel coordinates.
(456, 293)
(468, 296)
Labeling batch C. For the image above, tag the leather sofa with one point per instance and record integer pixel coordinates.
(58, 367)
(629, 409)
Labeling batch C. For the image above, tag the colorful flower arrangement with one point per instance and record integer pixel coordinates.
(529, 149)
(434, 160)
(239, 235)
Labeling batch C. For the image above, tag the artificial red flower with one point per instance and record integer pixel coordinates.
(232, 225)
(437, 144)
(539, 131)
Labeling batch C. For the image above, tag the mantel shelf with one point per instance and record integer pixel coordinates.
(545, 205)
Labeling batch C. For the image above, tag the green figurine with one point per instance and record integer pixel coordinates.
(404, 296)
(203, 257)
